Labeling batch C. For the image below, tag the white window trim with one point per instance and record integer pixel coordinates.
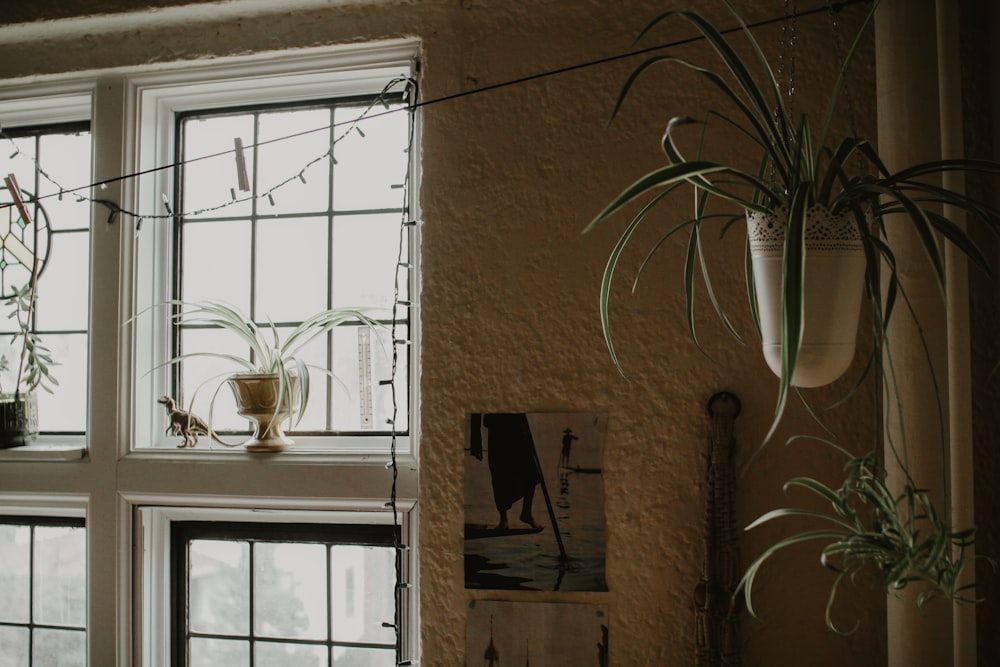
(155, 514)
(113, 480)
(69, 505)
(153, 100)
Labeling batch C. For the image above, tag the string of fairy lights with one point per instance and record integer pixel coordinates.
(352, 126)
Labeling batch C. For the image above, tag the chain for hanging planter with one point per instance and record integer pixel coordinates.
(718, 630)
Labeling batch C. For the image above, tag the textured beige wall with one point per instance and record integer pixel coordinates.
(510, 287)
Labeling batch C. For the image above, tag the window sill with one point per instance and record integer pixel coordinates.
(48, 448)
(307, 449)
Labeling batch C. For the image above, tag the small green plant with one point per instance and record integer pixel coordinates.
(268, 351)
(34, 362)
(895, 539)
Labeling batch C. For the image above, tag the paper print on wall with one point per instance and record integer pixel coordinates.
(540, 634)
(534, 501)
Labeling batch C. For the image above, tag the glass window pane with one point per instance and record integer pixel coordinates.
(361, 402)
(314, 354)
(205, 377)
(65, 409)
(14, 642)
(208, 181)
(298, 144)
(289, 590)
(15, 554)
(59, 648)
(370, 169)
(362, 593)
(216, 262)
(276, 654)
(219, 584)
(219, 653)
(63, 287)
(365, 253)
(291, 278)
(368, 657)
(66, 158)
(60, 582)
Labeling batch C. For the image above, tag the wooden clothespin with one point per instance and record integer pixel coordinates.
(15, 192)
(241, 166)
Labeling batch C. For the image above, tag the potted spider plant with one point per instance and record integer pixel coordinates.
(271, 381)
(808, 204)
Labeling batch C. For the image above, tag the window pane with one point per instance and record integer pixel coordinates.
(204, 377)
(62, 295)
(363, 657)
(219, 653)
(209, 180)
(291, 269)
(362, 403)
(14, 642)
(65, 409)
(370, 168)
(275, 654)
(289, 590)
(15, 554)
(297, 145)
(362, 592)
(365, 253)
(66, 158)
(59, 648)
(216, 262)
(60, 582)
(219, 585)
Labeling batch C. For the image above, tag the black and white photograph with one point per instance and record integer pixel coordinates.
(539, 634)
(534, 501)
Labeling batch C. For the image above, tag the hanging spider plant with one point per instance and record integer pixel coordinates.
(897, 540)
(799, 168)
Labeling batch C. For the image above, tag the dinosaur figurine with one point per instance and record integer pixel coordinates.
(185, 424)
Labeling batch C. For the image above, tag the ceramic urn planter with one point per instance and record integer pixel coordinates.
(833, 288)
(256, 397)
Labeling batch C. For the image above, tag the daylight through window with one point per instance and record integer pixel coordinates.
(309, 595)
(57, 236)
(43, 592)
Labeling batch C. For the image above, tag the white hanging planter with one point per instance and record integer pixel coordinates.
(834, 284)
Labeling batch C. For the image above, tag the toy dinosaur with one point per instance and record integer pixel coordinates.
(185, 424)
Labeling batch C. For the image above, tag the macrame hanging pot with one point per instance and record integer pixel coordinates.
(834, 284)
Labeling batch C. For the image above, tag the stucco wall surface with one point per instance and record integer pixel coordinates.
(510, 176)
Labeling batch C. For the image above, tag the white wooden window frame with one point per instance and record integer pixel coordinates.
(126, 491)
(155, 99)
(155, 514)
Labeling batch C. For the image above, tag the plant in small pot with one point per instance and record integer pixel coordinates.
(271, 384)
(812, 205)
(28, 368)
